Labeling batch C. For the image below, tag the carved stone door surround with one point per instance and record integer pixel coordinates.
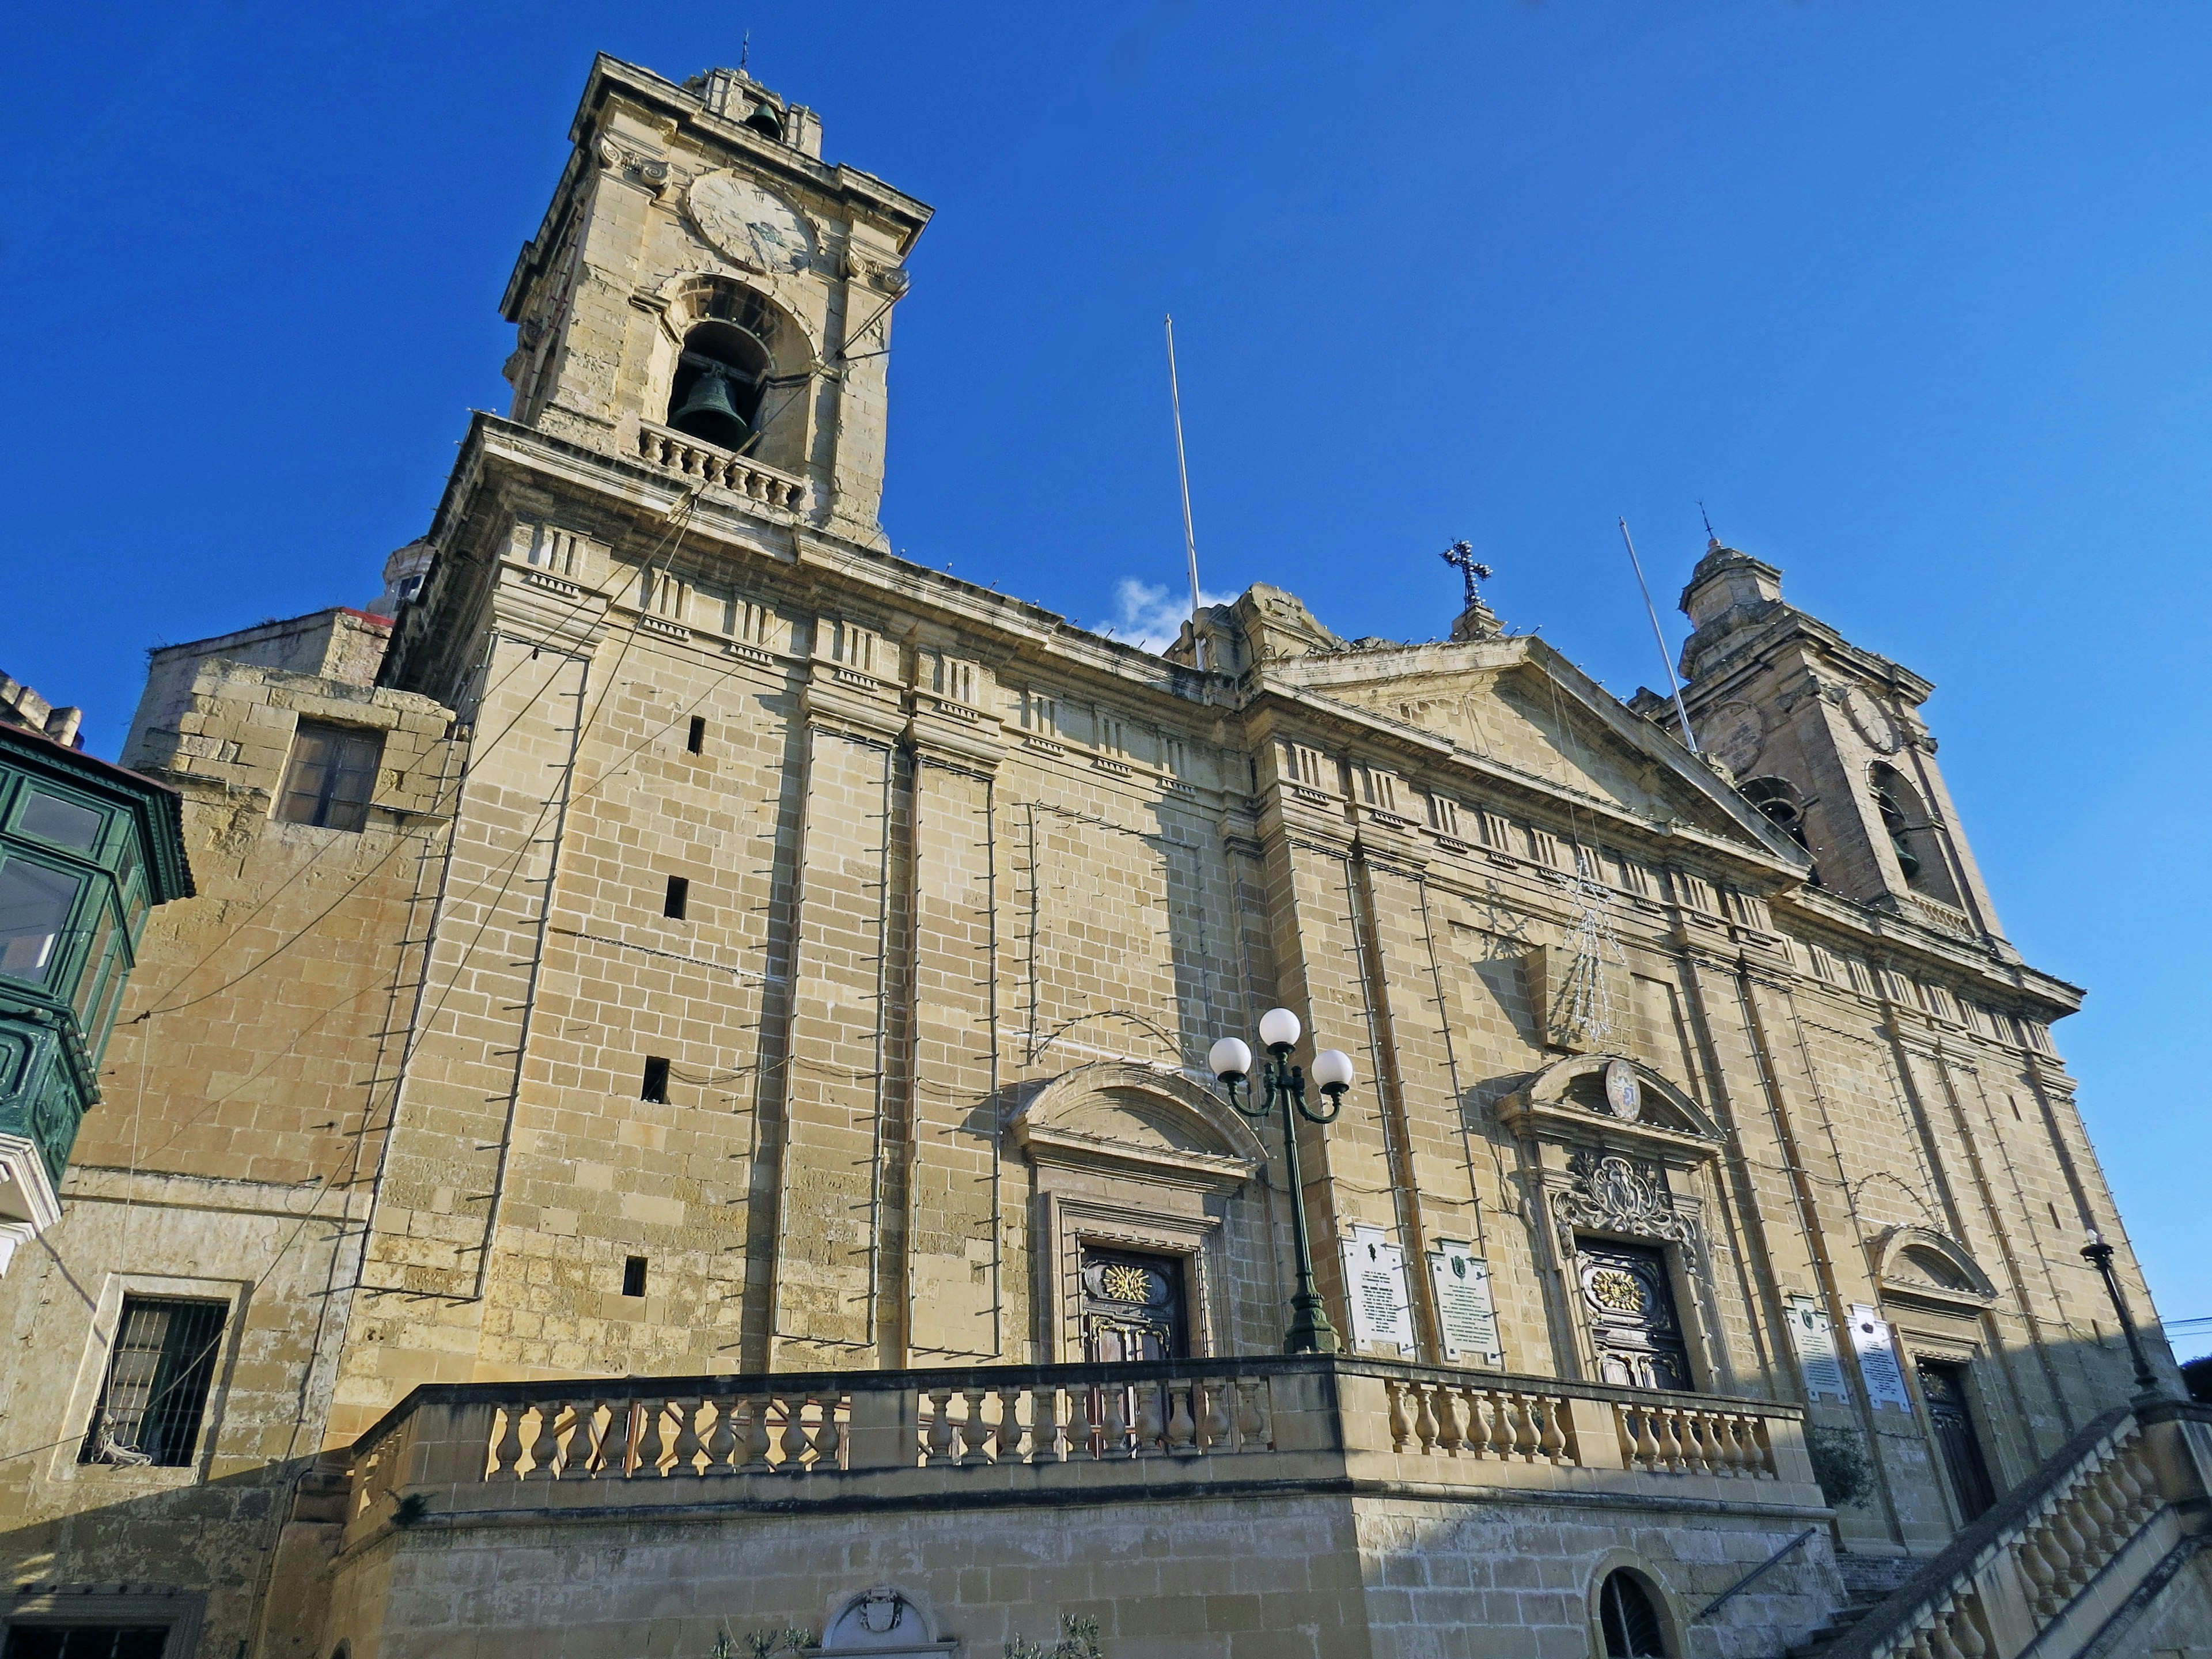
(1140, 1158)
(1611, 1151)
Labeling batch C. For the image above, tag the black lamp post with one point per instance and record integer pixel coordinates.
(2099, 1254)
(1284, 1086)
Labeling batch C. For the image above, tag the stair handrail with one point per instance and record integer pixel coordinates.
(1948, 1577)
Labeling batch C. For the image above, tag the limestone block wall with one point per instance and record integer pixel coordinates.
(1391, 1577)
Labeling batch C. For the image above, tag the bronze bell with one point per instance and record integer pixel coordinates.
(710, 413)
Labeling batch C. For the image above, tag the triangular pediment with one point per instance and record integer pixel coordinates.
(1514, 708)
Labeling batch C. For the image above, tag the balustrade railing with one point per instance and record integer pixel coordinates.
(1477, 1419)
(1696, 1439)
(1300, 1417)
(687, 458)
(622, 1437)
(2016, 1573)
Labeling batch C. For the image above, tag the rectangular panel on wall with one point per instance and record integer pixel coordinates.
(954, 1276)
(826, 1276)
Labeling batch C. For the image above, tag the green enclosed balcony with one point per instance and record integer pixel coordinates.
(86, 850)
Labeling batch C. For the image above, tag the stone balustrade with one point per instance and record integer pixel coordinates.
(687, 458)
(894, 1435)
(2060, 1553)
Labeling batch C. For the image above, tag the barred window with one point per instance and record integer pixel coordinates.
(86, 1641)
(156, 1388)
(331, 776)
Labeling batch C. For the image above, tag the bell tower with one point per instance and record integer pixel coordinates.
(707, 294)
(1826, 739)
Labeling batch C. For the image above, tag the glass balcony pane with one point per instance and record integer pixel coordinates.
(34, 908)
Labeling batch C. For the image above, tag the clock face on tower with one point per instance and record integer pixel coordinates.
(750, 224)
(1873, 721)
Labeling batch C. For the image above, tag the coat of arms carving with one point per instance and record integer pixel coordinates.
(1611, 1195)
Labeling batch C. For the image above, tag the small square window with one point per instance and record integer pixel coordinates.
(331, 776)
(633, 1276)
(696, 741)
(156, 1391)
(679, 897)
(655, 1088)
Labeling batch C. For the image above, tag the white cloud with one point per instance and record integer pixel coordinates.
(1152, 616)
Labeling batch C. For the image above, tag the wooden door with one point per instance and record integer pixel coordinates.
(1629, 1300)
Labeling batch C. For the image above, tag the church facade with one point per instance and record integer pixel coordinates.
(682, 1110)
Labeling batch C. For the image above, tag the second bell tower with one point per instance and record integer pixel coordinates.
(1826, 738)
(708, 294)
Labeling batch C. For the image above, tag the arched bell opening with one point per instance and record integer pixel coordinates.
(1912, 834)
(716, 393)
(1783, 806)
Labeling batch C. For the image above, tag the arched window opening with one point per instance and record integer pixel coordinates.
(715, 394)
(1912, 834)
(1631, 1623)
(1778, 799)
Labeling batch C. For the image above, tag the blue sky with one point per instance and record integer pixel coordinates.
(1912, 297)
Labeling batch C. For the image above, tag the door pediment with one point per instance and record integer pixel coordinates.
(1120, 1118)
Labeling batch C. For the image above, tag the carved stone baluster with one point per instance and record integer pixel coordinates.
(1501, 1424)
(582, 1455)
(2104, 1521)
(1113, 1435)
(1966, 1630)
(756, 1441)
(1009, 1448)
(1939, 1636)
(2042, 1586)
(828, 1440)
(687, 1445)
(975, 1432)
(792, 1442)
(1447, 1435)
(1047, 1443)
(1091, 1421)
(1553, 1443)
(2140, 1489)
(545, 1448)
(2051, 1541)
(1182, 1427)
(1251, 1434)
(1401, 1431)
(1720, 1445)
(1647, 1440)
(506, 1452)
(1151, 1419)
(1425, 1417)
(722, 1443)
(659, 1448)
(1527, 1444)
(1218, 1419)
(937, 1439)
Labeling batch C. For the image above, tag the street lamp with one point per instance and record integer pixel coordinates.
(1284, 1085)
(2099, 1254)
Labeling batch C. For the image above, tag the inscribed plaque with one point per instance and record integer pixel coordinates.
(1464, 1306)
(1813, 1334)
(1375, 1283)
(1876, 1346)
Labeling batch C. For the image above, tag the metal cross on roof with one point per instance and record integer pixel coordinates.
(1461, 556)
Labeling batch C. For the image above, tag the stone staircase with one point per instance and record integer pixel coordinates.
(2063, 1565)
(1869, 1581)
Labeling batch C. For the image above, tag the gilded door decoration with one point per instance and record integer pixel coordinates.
(1133, 1306)
(1629, 1304)
(1609, 1195)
